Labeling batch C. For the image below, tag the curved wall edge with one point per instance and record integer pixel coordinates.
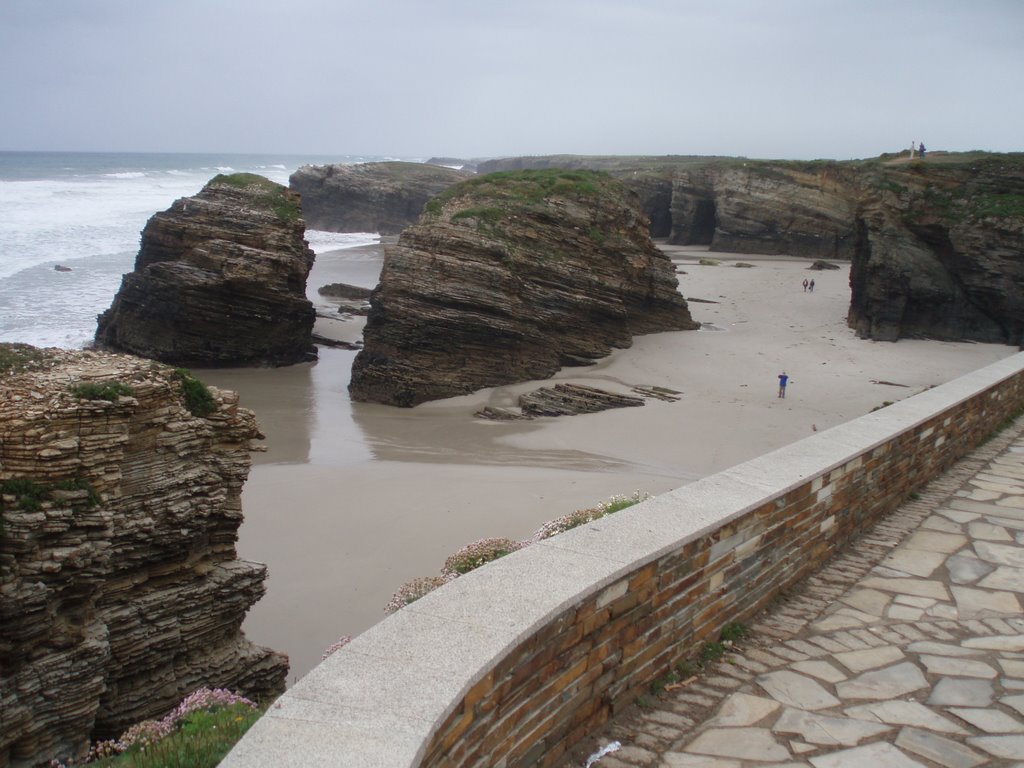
(513, 663)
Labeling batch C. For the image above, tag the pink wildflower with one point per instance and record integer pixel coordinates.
(478, 553)
(337, 645)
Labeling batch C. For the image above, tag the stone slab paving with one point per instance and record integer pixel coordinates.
(906, 650)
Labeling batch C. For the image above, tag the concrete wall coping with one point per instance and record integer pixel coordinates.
(378, 701)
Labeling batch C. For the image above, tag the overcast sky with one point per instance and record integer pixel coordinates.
(475, 78)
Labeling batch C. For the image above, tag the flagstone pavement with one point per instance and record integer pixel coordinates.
(906, 650)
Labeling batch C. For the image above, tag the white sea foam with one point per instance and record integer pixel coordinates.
(66, 219)
(89, 218)
(322, 242)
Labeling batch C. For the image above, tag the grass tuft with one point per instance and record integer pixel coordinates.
(197, 397)
(101, 390)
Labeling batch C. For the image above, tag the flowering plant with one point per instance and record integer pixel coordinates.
(480, 552)
(584, 516)
(414, 590)
(476, 554)
(337, 645)
(149, 732)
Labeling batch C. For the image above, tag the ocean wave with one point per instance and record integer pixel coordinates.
(46, 307)
(87, 212)
(321, 241)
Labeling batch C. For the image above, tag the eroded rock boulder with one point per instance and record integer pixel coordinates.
(509, 277)
(120, 588)
(220, 279)
(369, 197)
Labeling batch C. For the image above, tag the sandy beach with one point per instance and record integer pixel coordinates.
(350, 500)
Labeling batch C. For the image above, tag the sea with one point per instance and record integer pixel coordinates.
(70, 224)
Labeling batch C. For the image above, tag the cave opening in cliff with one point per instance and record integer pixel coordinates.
(702, 230)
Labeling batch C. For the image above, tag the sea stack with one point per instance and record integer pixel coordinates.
(220, 279)
(508, 277)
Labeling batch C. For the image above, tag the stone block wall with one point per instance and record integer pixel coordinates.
(511, 664)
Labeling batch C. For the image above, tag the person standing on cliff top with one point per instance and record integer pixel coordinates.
(783, 381)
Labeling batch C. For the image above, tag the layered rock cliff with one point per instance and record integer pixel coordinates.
(120, 588)
(220, 279)
(508, 277)
(798, 209)
(939, 251)
(730, 204)
(936, 245)
(369, 197)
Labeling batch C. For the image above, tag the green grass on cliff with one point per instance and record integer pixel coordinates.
(510, 188)
(198, 399)
(29, 495)
(201, 741)
(19, 357)
(106, 390)
(1004, 206)
(276, 197)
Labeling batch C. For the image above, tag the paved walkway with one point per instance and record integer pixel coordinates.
(906, 650)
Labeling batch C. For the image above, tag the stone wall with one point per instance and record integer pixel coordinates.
(511, 664)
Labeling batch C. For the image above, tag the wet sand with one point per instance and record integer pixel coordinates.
(351, 500)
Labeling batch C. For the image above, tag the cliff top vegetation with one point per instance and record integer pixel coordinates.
(401, 170)
(527, 187)
(620, 165)
(19, 357)
(276, 197)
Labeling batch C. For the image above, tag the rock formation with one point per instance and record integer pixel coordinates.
(573, 400)
(120, 589)
(352, 299)
(799, 209)
(369, 197)
(508, 277)
(939, 251)
(651, 178)
(220, 279)
(935, 245)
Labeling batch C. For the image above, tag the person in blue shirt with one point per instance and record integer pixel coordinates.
(783, 381)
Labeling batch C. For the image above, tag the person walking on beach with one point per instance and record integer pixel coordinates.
(812, 286)
(805, 285)
(783, 381)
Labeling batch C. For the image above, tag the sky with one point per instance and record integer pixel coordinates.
(799, 79)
